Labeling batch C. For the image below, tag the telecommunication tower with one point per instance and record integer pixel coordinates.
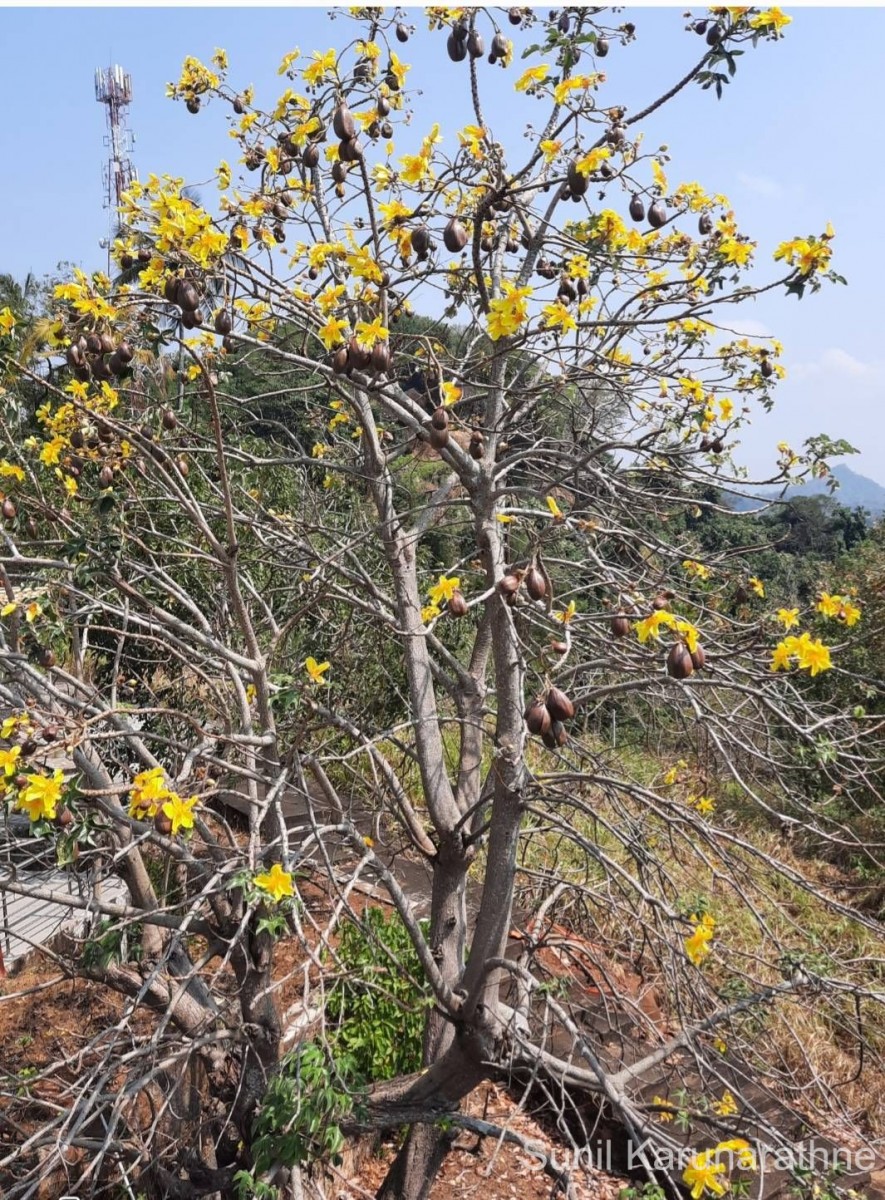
(113, 89)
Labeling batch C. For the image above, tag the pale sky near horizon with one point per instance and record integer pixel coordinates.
(794, 143)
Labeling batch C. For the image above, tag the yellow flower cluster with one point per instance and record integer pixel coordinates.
(705, 1172)
(508, 312)
(149, 796)
(40, 795)
(839, 608)
(808, 653)
(651, 626)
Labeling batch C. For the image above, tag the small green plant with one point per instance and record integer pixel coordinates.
(376, 1008)
(110, 944)
(648, 1191)
(300, 1117)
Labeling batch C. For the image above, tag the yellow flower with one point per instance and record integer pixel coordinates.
(40, 796)
(726, 409)
(429, 612)
(504, 519)
(276, 882)
(695, 568)
(813, 655)
(577, 83)
(650, 627)
(593, 160)
(666, 1113)
(443, 589)
(450, 393)
(727, 1106)
(566, 616)
(368, 333)
(788, 617)
(757, 586)
(51, 452)
(532, 76)
(734, 251)
(555, 510)
(148, 792)
(287, 61)
(701, 1175)
(782, 653)
(771, 18)
(7, 320)
(320, 67)
(557, 316)
(9, 758)
(180, 812)
(33, 611)
(332, 333)
(697, 947)
(849, 614)
(398, 69)
(316, 670)
(550, 148)
(704, 805)
(508, 312)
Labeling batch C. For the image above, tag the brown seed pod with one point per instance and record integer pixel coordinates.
(223, 322)
(9, 510)
(339, 360)
(439, 438)
(162, 823)
(170, 288)
(105, 477)
(339, 174)
(101, 370)
(46, 658)
(535, 583)
(182, 467)
(169, 419)
(457, 605)
(559, 647)
(561, 708)
(32, 527)
(455, 48)
(620, 625)
(193, 105)
(343, 122)
(383, 106)
(698, 658)
(74, 356)
(476, 47)
(514, 16)
(657, 215)
(509, 585)
(238, 106)
(477, 447)
(716, 446)
(577, 182)
(537, 718)
(637, 209)
(187, 297)
(705, 224)
(107, 343)
(556, 736)
(358, 357)
(126, 261)
(454, 236)
(421, 239)
(601, 47)
(440, 418)
(679, 664)
(381, 357)
(402, 33)
(310, 156)
(662, 599)
(93, 343)
(766, 369)
(351, 150)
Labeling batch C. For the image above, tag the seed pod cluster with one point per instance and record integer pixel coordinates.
(95, 356)
(545, 717)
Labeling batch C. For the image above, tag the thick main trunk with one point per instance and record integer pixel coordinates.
(415, 1167)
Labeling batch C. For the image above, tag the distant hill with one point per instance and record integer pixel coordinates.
(854, 491)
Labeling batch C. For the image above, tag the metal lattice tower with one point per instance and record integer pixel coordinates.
(113, 88)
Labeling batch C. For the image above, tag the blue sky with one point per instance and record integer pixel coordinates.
(794, 142)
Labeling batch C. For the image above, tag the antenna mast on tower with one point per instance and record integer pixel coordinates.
(113, 88)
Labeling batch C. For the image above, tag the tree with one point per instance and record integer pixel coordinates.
(402, 625)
